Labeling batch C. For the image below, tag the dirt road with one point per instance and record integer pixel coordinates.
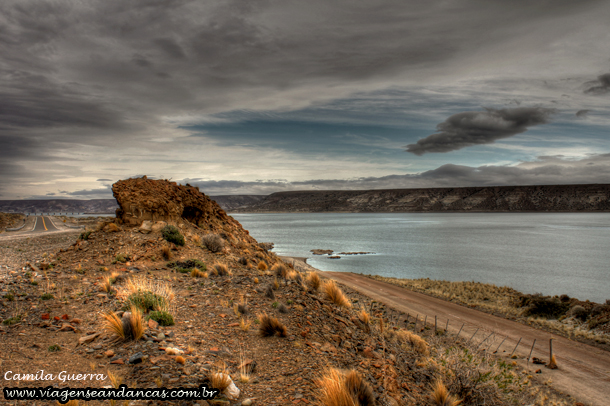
(584, 371)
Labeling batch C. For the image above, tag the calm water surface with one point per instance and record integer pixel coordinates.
(532, 252)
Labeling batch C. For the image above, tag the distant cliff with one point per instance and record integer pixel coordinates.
(566, 198)
(105, 206)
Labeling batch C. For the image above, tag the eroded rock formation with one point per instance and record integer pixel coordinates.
(144, 199)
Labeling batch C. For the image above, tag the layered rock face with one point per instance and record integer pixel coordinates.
(144, 199)
(566, 198)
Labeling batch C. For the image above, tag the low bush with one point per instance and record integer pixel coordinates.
(579, 312)
(145, 301)
(213, 242)
(339, 388)
(335, 294)
(172, 234)
(546, 307)
(161, 317)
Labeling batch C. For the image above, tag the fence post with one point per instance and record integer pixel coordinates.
(458, 334)
(532, 350)
(447, 325)
(434, 324)
(500, 345)
(520, 338)
(475, 333)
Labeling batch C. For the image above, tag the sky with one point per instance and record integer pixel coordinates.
(255, 97)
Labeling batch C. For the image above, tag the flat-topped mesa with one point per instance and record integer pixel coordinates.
(143, 199)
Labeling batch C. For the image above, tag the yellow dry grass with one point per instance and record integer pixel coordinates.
(441, 396)
(335, 294)
(113, 324)
(313, 280)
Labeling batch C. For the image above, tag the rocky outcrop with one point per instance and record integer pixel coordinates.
(149, 201)
(553, 198)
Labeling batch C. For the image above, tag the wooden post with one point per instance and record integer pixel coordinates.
(492, 333)
(500, 345)
(532, 350)
(511, 354)
(475, 333)
(458, 334)
(407, 321)
(434, 324)
(447, 325)
(425, 322)
(550, 349)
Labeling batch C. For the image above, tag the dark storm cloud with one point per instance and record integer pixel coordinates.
(170, 47)
(109, 73)
(582, 113)
(599, 86)
(102, 192)
(545, 170)
(480, 127)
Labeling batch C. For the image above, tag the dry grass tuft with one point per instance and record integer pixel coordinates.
(440, 395)
(244, 324)
(73, 402)
(220, 379)
(365, 319)
(313, 280)
(136, 322)
(111, 228)
(114, 325)
(196, 238)
(262, 266)
(279, 270)
(180, 359)
(270, 326)
(196, 273)
(344, 389)
(115, 380)
(335, 294)
(166, 252)
(416, 342)
(221, 269)
(276, 284)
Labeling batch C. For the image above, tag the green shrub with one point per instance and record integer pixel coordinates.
(120, 258)
(547, 307)
(54, 348)
(12, 320)
(10, 297)
(172, 234)
(161, 317)
(145, 301)
(579, 312)
(85, 235)
(188, 264)
(46, 296)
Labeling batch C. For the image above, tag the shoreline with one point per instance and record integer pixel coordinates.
(541, 324)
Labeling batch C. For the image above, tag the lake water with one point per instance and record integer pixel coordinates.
(551, 253)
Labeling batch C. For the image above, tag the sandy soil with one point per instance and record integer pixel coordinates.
(584, 371)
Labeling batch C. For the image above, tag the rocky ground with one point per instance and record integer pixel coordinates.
(66, 333)
(226, 306)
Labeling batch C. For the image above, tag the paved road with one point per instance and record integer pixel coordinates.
(584, 371)
(44, 224)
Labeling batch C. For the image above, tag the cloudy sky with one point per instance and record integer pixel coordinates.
(257, 96)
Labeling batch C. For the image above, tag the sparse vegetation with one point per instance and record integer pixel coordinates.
(339, 388)
(335, 294)
(46, 296)
(161, 317)
(85, 235)
(262, 266)
(221, 269)
(173, 235)
(213, 242)
(441, 396)
(314, 281)
(12, 320)
(269, 326)
(54, 348)
(196, 273)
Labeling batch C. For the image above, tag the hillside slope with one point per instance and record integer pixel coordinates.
(567, 198)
